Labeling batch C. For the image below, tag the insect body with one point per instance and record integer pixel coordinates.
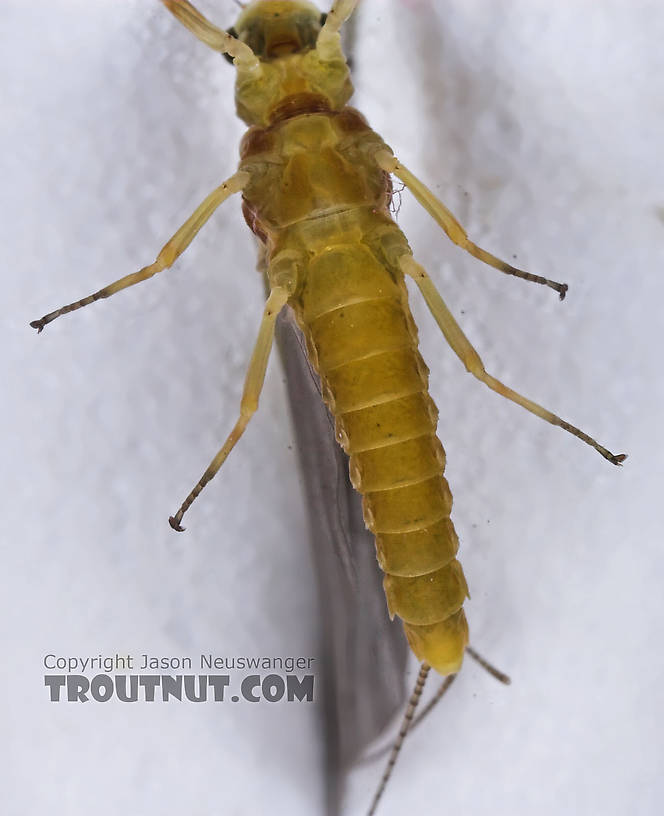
(322, 210)
(315, 181)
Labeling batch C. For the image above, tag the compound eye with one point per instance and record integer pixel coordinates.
(233, 33)
(323, 18)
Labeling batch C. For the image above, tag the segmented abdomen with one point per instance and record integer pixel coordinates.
(362, 339)
(318, 200)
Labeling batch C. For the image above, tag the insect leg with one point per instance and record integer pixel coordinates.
(329, 42)
(471, 359)
(455, 232)
(253, 386)
(170, 252)
(338, 14)
(212, 36)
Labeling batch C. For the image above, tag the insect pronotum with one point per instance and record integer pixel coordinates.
(316, 189)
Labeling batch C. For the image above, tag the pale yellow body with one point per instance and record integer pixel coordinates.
(316, 190)
(320, 206)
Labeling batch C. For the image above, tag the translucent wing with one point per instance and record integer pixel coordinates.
(364, 653)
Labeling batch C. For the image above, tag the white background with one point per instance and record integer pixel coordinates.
(540, 125)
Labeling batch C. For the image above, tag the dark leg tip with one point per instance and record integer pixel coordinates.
(619, 459)
(563, 291)
(37, 324)
(175, 524)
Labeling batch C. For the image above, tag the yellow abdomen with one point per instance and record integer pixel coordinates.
(363, 341)
(316, 204)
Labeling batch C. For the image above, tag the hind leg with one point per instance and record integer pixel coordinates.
(471, 359)
(253, 385)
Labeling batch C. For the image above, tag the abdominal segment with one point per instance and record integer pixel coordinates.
(354, 313)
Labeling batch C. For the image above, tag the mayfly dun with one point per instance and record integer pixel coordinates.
(315, 182)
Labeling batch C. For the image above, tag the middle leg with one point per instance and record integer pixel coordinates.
(453, 229)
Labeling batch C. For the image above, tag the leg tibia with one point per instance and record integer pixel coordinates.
(168, 255)
(455, 232)
(329, 41)
(338, 14)
(211, 35)
(473, 363)
(253, 386)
